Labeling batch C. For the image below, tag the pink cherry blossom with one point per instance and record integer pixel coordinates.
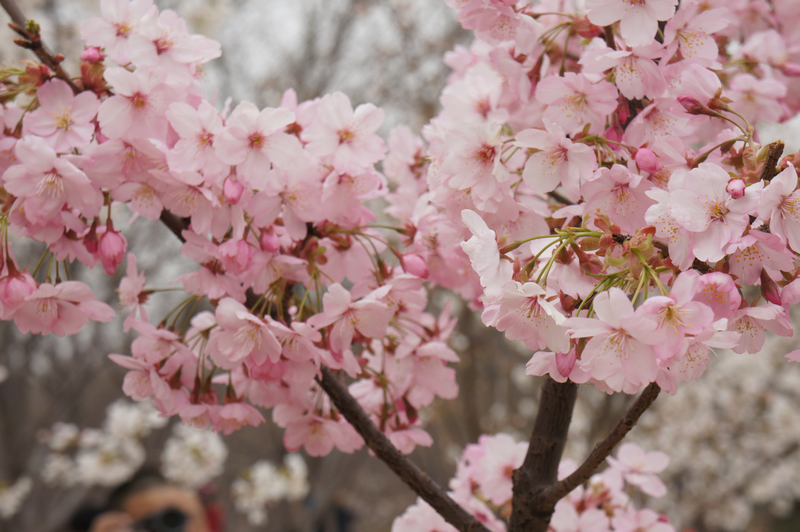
(719, 292)
(61, 309)
(704, 207)
(639, 468)
(620, 341)
(633, 520)
(47, 182)
(131, 294)
(475, 162)
(690, 32)
(573, 101)
(253, 140)
(369, 317)
(677, 314)
(524, 313)
(619, 194)
(347, 136)
(120, 20)
(780, 206)
(139, 107)
(636, 75)
(420, 517)
(63, 119)
(558, 160)
(240, 335)
(234, 416)
(638, 21)
(482, 249)
(199, 130)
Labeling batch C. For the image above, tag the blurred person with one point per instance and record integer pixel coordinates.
(150, 503)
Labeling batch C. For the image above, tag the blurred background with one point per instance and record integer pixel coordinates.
(733, 436)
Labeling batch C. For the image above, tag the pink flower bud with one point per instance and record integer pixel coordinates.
(14, 288)
(415, 265)
(232, 190)
(736, 187)
(269, 242)
(791, 69)
(646, 160)
(614, 133)
(112, 250)
(769, 288)
(92, 55)
(623, 111)
(90, 239)
(692, 106)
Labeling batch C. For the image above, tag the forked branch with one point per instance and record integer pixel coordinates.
(550, 496)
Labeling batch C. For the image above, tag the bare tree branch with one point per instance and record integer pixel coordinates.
(417, 480)
(550, 496)
(34, 42)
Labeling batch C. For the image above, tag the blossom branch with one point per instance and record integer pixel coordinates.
(416, 479)
(33, 41)
(550, 496)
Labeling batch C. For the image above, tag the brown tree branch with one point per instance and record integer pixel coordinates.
(539, 471)
(174, 223)
(410, 474)
(774, 152)
(34, 43)
(550, 496)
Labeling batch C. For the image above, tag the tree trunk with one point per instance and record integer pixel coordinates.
(539, 471)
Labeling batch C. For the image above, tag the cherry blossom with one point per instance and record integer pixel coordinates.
(63, 119)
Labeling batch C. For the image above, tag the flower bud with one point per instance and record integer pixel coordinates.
(269, 241)
(232, 190)
(769, 288)
(112, 250)
(736, 187)
(791, 69)
(691, 105)
(614, 133)
(14, 288)
(92, 55)
(586, 29)
(415, 265)
(646, 160)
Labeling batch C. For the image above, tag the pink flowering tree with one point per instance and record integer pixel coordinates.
(594, 185)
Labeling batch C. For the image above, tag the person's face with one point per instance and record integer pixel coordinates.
(146, 503)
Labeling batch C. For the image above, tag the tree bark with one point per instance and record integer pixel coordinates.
(539, 471)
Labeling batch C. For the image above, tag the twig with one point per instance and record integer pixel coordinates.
(416, 479)
(550, 496)
(559, 198)
(34, 42)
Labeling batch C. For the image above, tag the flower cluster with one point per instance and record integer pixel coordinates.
(593, 184)
(483, 485)
(105, 457)
(270, 205)
(609, 184)
(263, 484)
